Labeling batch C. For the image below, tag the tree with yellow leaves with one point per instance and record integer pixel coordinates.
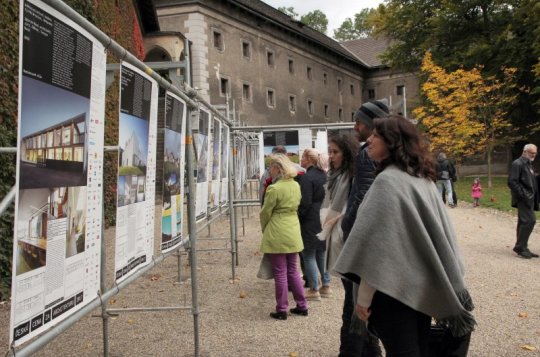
(465, 112)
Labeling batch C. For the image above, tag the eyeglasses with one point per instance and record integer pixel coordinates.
(533, 153)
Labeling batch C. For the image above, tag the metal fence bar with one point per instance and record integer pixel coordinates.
(51, 334)
(145, 309)
(6, 201)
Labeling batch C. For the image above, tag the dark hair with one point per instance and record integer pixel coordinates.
(407, 148)
(349, 148)
(280, 149)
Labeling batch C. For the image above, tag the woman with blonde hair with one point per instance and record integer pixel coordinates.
(313, 255)
(281, 235)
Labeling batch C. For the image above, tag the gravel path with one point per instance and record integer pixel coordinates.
(234, 317)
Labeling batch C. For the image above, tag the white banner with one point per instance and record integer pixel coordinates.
(136, 171)
(58, 206)
(172, 212)
(202, 139)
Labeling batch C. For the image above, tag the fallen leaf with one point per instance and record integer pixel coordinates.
(112, 301)
(257, 254)
(293, 354)
(523, 314)
(528, 348)
(243, 294)
(155, 277)
(130, 321)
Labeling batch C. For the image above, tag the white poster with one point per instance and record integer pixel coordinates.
(305, 140)
(288, 139)
(137, 140)
(58, 205)
(203, 163)
(321, 142)
(172, 214)
(225, 149)
(215, 184)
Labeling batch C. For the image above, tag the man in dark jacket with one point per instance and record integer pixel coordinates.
(445, 175)
(364, 174)
(525, 196)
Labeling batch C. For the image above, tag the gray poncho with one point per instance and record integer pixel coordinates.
(403, 244)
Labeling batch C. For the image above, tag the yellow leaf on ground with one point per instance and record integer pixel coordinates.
(293, 354)
(528, 348)
(130, 321)
(243, 294)
(523, 314)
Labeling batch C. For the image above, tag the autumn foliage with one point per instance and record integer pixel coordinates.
(466, 112)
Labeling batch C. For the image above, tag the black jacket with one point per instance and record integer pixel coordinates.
(312, 188)
(364, 174)
(445, 165)
(523, 183)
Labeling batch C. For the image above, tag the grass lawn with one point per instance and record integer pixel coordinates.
(498, 196)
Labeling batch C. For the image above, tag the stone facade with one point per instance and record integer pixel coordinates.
(273, 74)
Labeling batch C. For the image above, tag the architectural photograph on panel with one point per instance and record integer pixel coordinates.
(53, 140)
(133, 140)
(202, 149)
(287, 139)
(48, 213)
(172, 198)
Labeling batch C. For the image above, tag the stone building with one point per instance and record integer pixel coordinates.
(381, 81)
(274, 69)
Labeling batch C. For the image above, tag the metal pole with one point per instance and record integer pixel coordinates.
(6, 201)
(103, 284)
(232, 210)
(8, 150)
(293, 126)
(192, 228)
(34, 346)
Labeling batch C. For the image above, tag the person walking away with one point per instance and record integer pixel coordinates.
(364, 174)
(476, 191)
(404, 252)
(282, 239)
(341, 152)
(445, 173)
(523, 186)
(312, 189)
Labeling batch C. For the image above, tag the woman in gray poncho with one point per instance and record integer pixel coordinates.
(402, 247)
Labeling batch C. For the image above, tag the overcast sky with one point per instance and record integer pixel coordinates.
(336, 11)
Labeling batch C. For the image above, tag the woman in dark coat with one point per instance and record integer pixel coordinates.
(312, 187)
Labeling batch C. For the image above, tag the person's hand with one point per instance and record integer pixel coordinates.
(362, 312)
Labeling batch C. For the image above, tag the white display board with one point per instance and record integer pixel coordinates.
(202, 137)
(58, 204)
(225, 150)
(137, 141)
(294, 141)
(215, 183)
(172, 211)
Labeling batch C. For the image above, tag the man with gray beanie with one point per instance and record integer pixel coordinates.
(364, 174)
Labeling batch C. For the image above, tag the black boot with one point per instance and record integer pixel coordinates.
(279, 315)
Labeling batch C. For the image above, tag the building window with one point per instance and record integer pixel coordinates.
(309, 73)
(270, 98)
(218, 40)
(246, 49)
(270, 58)
(352, 89)
(399, 90)
(325, 78)
(326, 110)
(340, 114)
(371, 93)
(339, 85)
(246, 92)
(292, 103)
(291, 66)
(310, 107)
(224, 87)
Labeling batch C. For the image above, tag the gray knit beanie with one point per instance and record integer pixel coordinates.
(371, 110)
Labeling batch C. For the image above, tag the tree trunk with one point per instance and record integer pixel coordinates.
(489, 151)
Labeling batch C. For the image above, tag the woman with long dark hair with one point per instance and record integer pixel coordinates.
(402, 248)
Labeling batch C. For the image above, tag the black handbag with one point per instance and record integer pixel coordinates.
(443, 344)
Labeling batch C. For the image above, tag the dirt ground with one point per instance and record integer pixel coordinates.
(234, 319)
